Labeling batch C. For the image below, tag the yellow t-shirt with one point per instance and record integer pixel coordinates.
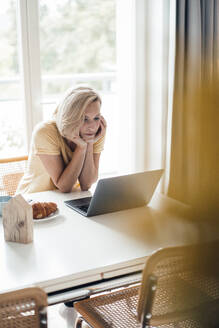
(46, 139)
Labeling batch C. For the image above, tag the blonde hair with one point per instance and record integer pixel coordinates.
(70, 111)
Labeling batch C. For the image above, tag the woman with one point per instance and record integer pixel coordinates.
(65, 151)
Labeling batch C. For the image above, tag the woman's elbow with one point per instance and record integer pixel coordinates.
(64, 190)
(85, 187)
(62, 186)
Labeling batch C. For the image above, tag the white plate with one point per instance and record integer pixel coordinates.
(48, 218)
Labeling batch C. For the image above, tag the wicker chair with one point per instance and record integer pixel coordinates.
(180, 288)
(11, 171)
(24, 308)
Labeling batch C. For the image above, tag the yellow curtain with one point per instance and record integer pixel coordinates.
(194, 162)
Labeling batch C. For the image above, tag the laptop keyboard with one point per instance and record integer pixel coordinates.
(83, 208)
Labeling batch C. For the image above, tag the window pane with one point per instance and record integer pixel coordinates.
(78, 45)
(76, 37)
(11, 112)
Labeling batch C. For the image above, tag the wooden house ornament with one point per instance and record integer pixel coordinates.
(18, 220)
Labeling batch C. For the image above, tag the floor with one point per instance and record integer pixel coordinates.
(60, 316)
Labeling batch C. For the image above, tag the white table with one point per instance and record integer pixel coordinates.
(72, 250)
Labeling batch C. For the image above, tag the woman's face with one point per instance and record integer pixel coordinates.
(91, 123)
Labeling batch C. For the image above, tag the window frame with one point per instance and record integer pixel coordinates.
(28, 28)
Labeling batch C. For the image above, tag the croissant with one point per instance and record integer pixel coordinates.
(43, 209)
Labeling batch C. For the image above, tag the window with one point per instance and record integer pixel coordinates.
(48, 46)
(115, 46)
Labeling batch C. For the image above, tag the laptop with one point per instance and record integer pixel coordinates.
(118, 193)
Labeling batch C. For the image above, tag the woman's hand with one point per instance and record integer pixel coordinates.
(78, 141)
(101, 131)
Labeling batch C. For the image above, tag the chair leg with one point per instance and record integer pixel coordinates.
(78, 323)
(43, 317)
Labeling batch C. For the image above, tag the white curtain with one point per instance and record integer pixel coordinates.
(194, 160)
(153, 40)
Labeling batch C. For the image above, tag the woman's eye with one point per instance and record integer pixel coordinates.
(85, 120)
(97, 118)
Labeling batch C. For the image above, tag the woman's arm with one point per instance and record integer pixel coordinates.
(89, 172)
(64, 177)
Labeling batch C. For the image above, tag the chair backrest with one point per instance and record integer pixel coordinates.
(180, 287)
(11, 171)
(26, 308)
